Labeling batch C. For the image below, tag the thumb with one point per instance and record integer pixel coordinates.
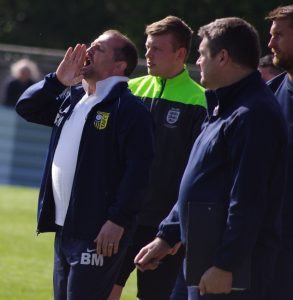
(202, 288)
(140, 257)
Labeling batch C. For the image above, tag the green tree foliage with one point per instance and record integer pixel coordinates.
(62, 23)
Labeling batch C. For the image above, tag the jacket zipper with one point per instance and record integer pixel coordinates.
(156, 99)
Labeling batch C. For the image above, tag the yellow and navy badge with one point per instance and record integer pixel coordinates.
(101, 120)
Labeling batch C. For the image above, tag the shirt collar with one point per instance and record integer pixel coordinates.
(103, 87)
(289, 83)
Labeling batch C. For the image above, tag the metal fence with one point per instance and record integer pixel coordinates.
(23, 149)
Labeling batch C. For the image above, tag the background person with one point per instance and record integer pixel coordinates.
(24, 73)
(238, 160)
(98, 162)
(267, 69)
(177, 105)
(281, 44)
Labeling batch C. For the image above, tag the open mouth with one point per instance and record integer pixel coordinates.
(87, 62)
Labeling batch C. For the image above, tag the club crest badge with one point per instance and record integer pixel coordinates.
(173, 115)
(101, 120)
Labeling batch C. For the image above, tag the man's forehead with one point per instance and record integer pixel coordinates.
(282, 23)
(108, 40)
(203, 43)
(101, 39)
(159, 38)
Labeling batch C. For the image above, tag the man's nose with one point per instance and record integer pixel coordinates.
(148, 53)
(271, 43)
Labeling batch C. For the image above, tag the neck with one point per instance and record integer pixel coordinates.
(89, 85)
(91, 89)
(174, 72)
(235, 75)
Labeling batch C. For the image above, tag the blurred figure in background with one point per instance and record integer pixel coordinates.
(267, 69)
(24, 73)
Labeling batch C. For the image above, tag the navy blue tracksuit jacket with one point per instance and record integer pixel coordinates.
(282, 282)
(239, 159)
(113, 159)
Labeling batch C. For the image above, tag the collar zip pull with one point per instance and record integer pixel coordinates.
(216, 111)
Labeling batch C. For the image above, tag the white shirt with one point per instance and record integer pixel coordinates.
(65, 157)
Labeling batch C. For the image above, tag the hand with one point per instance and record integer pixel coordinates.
(108, 239)
(175, 249)
(68, 72)
(215, 281)
(149, 256)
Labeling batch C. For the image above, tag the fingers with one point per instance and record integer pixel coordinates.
(146, 260)
(68, 53)
(106, 248)
(68, 71)
(149, 257)
(215, 281)
(139, 258)
(99, 246)
(202, 288)
(175, 249)
(151, 265)
(78, 54)
(108, 239)
(115, 248)
(76, 51)
(75, 55)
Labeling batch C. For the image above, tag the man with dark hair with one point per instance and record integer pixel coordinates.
(281, 44)
(267, 69)
(97, 165)
(177, 105)
(238, 162)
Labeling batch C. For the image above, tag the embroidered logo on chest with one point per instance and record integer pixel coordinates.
(101, 120)
(173, 115)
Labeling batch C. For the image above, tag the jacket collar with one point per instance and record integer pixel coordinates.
(78, 91)
(103, 87)
(181, 77)
(220, 99)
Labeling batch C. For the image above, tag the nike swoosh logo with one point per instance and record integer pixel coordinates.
(74, 263)
(91, 250)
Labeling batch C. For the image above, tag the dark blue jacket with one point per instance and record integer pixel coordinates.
(283, 91)
(238, 159)
(282, 282)
(113, 159)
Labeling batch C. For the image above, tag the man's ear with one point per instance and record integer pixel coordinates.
(181, 53)
(223, 56)
(120, 67)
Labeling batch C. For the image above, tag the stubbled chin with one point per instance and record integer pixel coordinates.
(276, 60)
(152, 71)
(84, 68)
(85, 71)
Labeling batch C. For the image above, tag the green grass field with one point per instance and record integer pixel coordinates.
(25, 258)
